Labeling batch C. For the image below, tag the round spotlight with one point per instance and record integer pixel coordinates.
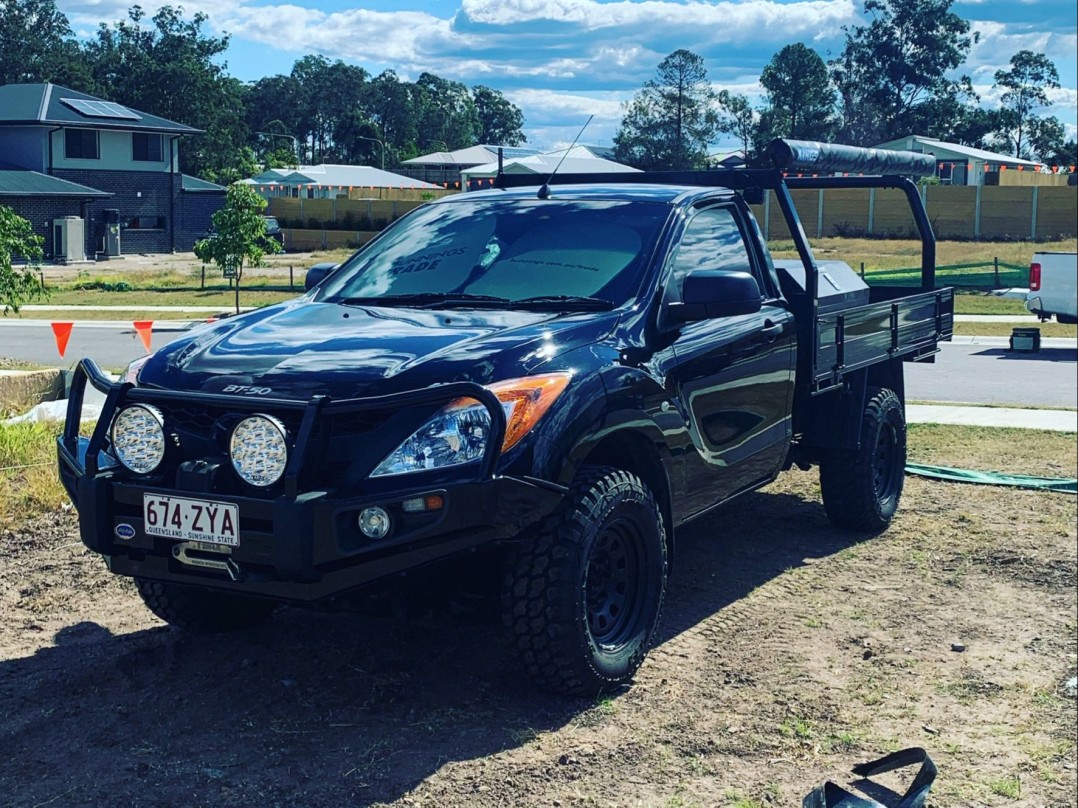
(374, 522)
(138, 438)
(259, 450)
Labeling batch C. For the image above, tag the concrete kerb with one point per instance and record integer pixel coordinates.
(23, 389)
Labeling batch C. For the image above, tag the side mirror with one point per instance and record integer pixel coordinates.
(710, 293)
(317, 274)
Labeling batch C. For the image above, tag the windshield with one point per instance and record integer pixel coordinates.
(507, 250)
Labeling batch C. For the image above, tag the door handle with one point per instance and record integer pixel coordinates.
(771, 330)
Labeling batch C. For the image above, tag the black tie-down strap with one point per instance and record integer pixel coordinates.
(830, 795)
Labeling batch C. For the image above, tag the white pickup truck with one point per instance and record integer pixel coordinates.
(1053, 286)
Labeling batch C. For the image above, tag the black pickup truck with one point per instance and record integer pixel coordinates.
(557, 373)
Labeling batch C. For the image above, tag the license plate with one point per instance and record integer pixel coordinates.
(191, 519)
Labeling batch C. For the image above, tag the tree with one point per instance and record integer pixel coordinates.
(1024, 91)
(957, 117)
(18, 241)
(670, 123)
(37, 45)
(357, 140)
(171, 69)
(393, 105)
(738, 119)
(1045, 137)
(800, 96)
(239, 234)
(447, 112)
(902, 59)
(500, 121)
(325, 93)
(272, 111)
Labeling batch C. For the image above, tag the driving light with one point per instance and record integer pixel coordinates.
(458, 432)
(259, 450)
(374, 522)
(138, 438)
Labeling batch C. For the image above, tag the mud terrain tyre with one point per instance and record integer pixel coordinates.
(201, 611)
(584, 592)
(861, 488)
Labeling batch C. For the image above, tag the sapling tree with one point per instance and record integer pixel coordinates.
(18, 242)
(239, 235)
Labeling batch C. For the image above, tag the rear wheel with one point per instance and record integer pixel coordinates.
(201, 611)
(583, 595)
(861, 488)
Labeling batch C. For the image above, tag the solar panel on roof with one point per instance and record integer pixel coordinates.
(512, 151)
(100, 109)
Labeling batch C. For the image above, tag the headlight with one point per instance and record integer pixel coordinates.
(259, 449)
(132, 371)
(458, 432)
(138, 438)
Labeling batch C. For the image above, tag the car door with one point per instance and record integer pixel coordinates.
(732, 376)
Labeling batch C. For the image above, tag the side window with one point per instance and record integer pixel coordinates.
(81, 144)
(146, 148)
(712, 240)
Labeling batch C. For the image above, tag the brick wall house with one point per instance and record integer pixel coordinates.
(126, 162)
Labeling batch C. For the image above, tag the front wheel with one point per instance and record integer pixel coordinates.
(201, 611)
(584, 593)
(861, 487)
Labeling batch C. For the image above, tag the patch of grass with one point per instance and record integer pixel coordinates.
(901, 253)
(251, 294)
(971, 688)
(981, 303)
(735, 799)
(29, 485)
(7, 363)
(799, 728)
(126, 314)
(606, 705)
(1010, 787)
(1005, 329)
(1016, 451)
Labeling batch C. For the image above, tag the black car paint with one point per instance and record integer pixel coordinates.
(709, 401)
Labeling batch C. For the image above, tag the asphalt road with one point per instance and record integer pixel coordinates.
(981, 373)
(988, 373)
(110, 344)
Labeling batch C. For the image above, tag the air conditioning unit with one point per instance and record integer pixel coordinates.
(69, 239)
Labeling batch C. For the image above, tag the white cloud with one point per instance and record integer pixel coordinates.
(999, 42)
(561, 60)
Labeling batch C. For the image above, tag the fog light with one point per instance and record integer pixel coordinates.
(374, 522)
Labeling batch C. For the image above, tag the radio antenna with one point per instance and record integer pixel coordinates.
(544, 189)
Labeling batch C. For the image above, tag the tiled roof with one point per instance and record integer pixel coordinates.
(51, 104)
(32, 183)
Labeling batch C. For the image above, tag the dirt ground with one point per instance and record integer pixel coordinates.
(788, 652)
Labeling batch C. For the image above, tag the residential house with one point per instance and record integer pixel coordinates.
(328, 181)
(577, 160)
(960, 165)
(444, 168)
(74, 162)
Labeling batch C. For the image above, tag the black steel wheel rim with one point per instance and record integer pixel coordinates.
(885, 476)
(614, 584)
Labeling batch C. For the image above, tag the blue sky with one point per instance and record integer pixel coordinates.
(563, 60)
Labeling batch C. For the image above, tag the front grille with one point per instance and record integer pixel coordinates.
(203, 431)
